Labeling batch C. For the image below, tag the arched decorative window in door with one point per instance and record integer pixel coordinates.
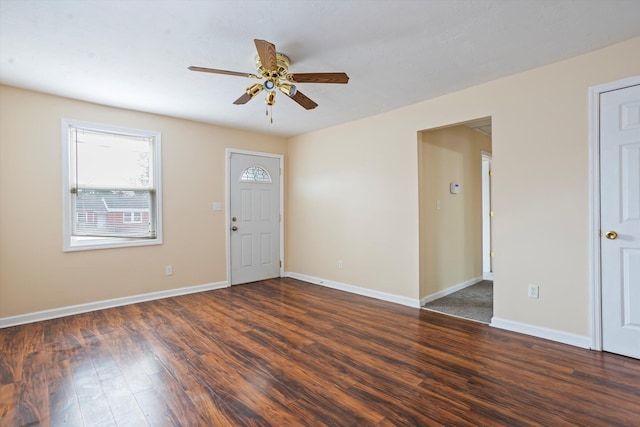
(255, 173)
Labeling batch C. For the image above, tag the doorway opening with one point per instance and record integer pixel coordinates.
(455, 273)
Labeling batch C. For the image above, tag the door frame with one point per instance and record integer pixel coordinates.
(595, 268)
(486, 215)
(227, 215)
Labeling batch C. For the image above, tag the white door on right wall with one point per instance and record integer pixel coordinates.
(620, 220)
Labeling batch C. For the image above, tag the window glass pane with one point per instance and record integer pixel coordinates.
(113, 213)
(255, 174)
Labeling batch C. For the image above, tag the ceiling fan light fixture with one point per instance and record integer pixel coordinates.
(270, 98)
(254, 89)
(287, 89)
(269, 85)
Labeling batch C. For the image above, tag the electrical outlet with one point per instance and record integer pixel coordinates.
(340, 265)
(533, 291)
(169, 270)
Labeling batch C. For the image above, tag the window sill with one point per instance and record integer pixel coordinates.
(95, 243)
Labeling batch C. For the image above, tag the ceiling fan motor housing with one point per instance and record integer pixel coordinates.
(281, 70)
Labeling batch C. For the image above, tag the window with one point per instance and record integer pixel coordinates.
(111, 186)
(255, 174)
(133, 217)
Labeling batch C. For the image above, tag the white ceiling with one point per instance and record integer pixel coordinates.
(134, 54)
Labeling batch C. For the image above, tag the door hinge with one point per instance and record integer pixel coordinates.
(490, 213)
(491, 254)
(280, 263)
(280, 219)
(490, 172)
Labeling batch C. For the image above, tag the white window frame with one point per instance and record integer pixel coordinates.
(81, 243)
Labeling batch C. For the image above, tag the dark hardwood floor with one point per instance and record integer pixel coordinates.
(287, 353)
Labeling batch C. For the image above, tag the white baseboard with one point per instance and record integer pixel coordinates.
(37, 316)
(541, 332)
(355, 289)
(488, 275)
(450, 290)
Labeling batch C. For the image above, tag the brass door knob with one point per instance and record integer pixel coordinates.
(611, 235)
(234, 228)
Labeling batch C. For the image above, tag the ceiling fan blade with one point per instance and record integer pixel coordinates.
(267, 54)
(318, 78)
(214, 71)
(243, 99)
(304, 101)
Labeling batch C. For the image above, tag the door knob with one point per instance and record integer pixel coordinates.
(234, 228)
(611, 235)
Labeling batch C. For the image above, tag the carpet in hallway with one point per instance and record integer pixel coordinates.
(474, 302)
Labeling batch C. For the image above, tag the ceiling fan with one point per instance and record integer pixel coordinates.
(273, 67)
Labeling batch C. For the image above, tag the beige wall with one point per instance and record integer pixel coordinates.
(354, 190)
(34, 272)
(451, 236)
(353, 197)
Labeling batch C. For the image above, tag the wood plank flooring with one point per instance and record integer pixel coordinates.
(286, 353)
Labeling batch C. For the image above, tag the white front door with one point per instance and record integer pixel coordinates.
(254, 214)
(620, 220)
